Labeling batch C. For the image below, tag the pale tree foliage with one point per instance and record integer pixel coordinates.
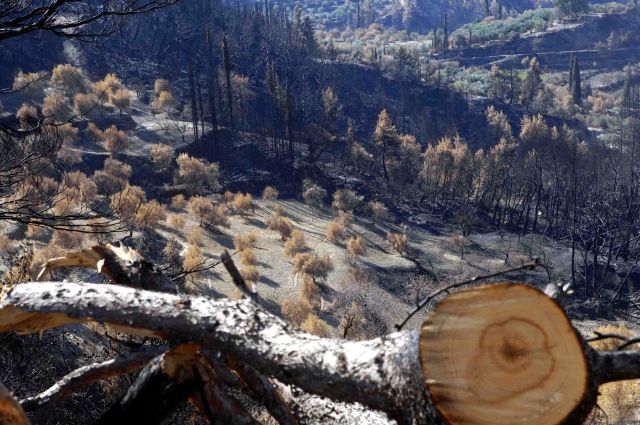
(399, 242)
(113, 177)
(115, 141)
(69, 78)
(313, 194)
(295, 243)
(164, 102)
(160, 85)
(105, 88)
(127, 202)
(207, 212)
(378, 211)
(30, 84)
(121, 100)
(356, 246)
(84, 104)
(162, 155)
(281, 224)
(149, 214)
(55, 108)
(197, 175)
(398, 155)
(244, 241)
(93, 133)
(242, 203)
(314, 265)
(269, 194)
(346, 200)
(27, 115)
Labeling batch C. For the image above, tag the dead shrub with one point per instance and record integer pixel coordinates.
(296, 310)
(316, 266)
(178, 202)
(55, 108)
(248, 257)
(316, 326)
(193, 259)
(171, 254)
(242, 203)
(309, 290)
(121, 100)
(229, 196)
(126, 202)
(356, 246)
(69, 78)
(30, 84)
(213, 215)
(313, 194)
(249, 273)
(346, 200)
(7, 245)
(163, 102)
(115, 141)
(269, 194)
(27, 115)
(160, 85)
(79, 181)
(399, 242)
(104, 88)
(149, 214)
(84, 104)
(176, 221)
(281, 225)
(336, 231)
(377, 211)
(295, 243)
(196, 174)
(162, 155)
(244, 241)
(194, 237)
(93, 133)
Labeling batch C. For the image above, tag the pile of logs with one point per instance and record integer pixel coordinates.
(498, 354)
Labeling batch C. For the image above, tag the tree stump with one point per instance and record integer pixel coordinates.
(503, 354)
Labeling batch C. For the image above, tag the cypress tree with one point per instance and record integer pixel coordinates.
(445, 29)
(576, 82)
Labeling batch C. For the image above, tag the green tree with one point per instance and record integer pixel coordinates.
(571, 7)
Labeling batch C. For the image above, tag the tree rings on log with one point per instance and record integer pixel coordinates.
(502, 354)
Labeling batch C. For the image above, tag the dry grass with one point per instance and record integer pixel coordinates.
(316, 326)
(618, 400)
(295, 243)
(356, 246)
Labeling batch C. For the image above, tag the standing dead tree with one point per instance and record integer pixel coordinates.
(484, 355)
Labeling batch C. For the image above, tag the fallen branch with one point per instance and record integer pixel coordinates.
(87, 375)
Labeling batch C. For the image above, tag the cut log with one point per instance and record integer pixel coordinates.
(504, 354)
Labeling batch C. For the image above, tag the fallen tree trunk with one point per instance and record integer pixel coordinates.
(406, 375)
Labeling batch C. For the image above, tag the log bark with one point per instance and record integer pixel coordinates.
(382, 374)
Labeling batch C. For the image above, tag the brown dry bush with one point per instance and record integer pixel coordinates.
(313, 194)
(7, 245)
(336, 231)
(377, 211)
(171, 254)
(346, 200)
(201, 207)
(357, 246)
(280, 224)
(295, 243)
(121, 100)
(84, 104)
(399, 242)
(242, 203)
(162, 155)
(35, 232)
(309, 290)
(30, 84)
(27, 115)
(176, 221)
(79, 181)
(248, 257)
(104, 88)
(229, 196)
(244, 241)
(69, 156)
(618, 400)
(115, 141)
(196, 174)
(93, 133)
(149, 214)
(114, 176)
(269, 194)
(55, 108)
(316, 266)
(194, 237)
(178, 202)
(249, 273)
(126, 202)
(160, 85)
(164, 102)
(68, 77)
(316, 326)
(296, 310)
(193, 259)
